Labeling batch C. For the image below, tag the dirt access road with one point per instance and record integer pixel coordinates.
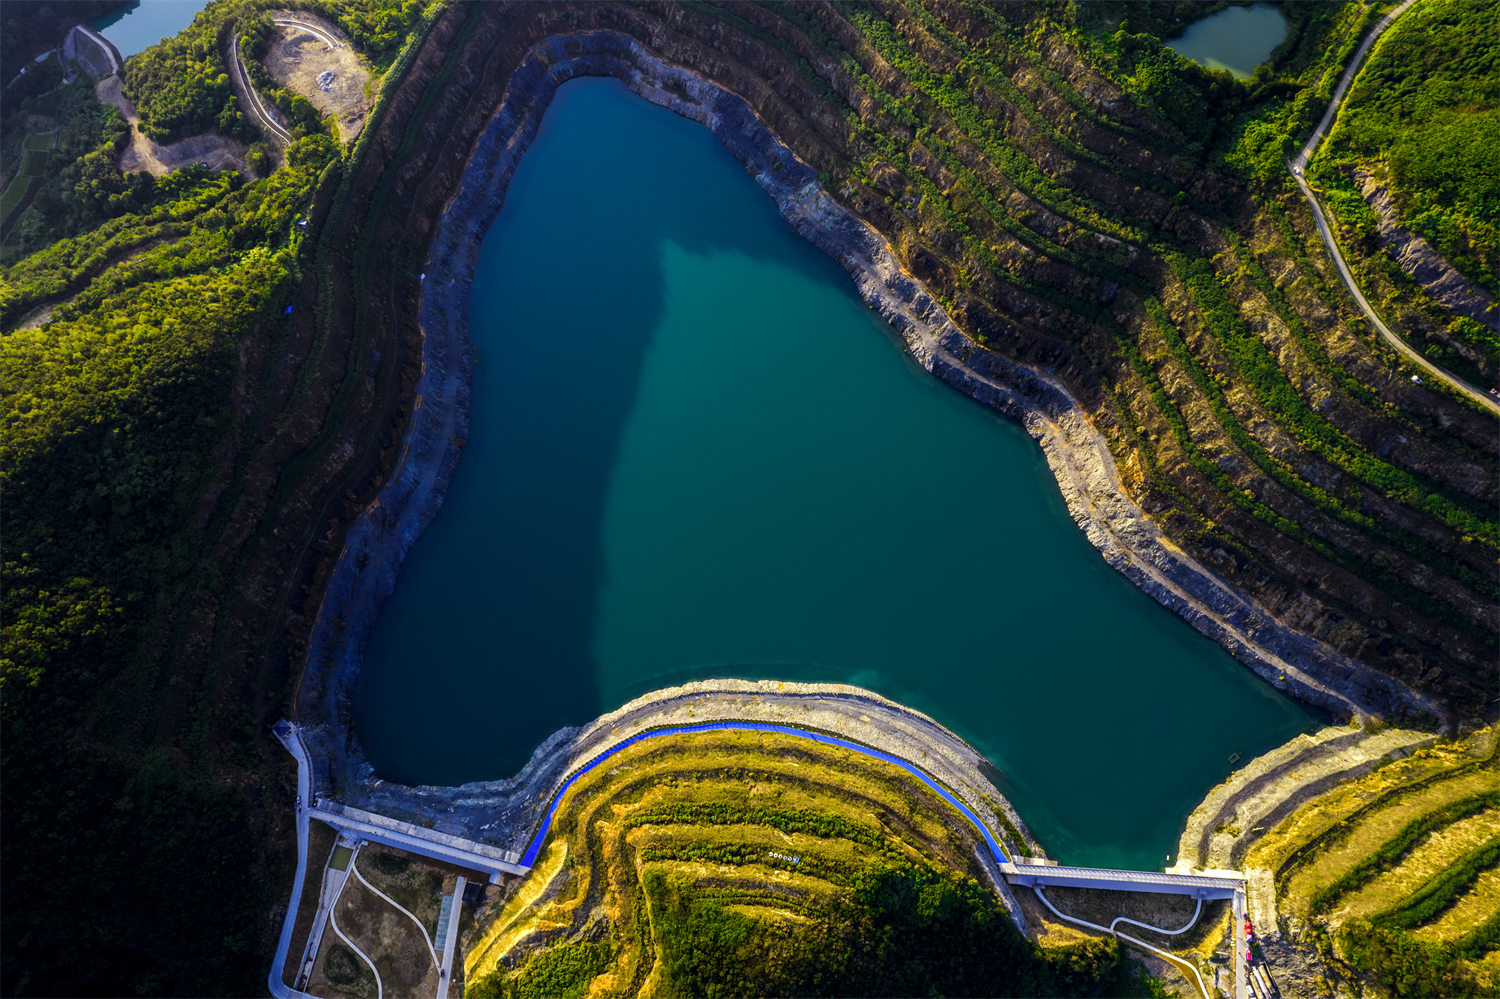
(144, 154)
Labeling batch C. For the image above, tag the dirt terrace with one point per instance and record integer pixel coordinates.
(218, 152)
(331, 77)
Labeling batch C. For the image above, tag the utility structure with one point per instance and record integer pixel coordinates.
(1204, 886)
(360, 825)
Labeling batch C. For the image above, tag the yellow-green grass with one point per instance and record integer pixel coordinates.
(1441, 849)
(1478, 904)
(1350, 864)
(1401, 786)
(1373, 830)
(14, 194)
(40, 141)
(705, 809)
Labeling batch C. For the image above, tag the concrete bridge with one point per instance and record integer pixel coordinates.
(358, 824)
(1203, 886)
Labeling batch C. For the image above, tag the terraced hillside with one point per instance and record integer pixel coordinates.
(1388, 880)
(732, 863)
(184, 458)
(1091, 204)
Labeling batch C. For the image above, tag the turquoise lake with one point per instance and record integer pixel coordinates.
(140, 24)
(694, 452)
(1237, 39)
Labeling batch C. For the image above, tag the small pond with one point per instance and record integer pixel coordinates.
(1237, 39)
(140, 24)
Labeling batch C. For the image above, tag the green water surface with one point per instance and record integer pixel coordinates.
(696, 453)
(140, 24)
(1237, 39)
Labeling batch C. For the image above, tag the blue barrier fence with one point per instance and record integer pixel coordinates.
(529, 859)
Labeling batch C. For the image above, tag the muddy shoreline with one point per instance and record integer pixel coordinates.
(498, 811)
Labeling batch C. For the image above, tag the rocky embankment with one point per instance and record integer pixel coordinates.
(1416, 256)
(375, 545)
(1270, 787)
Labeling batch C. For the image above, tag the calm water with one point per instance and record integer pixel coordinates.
(695, 453)
(1237, 39)
(142, 23)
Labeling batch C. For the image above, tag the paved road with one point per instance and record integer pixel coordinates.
(293, 743)
(1299, 163)
(323, 33)
(1338, 94)
(420, 928)
(450, 940)
(252, 99)
(379, 986)
(256, 103)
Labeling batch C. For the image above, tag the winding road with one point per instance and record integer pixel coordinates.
(1299, 163)
(287, 735)
(420, 928)
(1167, 955)
(253, 100)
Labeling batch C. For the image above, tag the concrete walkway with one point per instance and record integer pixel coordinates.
(449, 849)
(420, 928)
(416, 839)
(332, 921)
(287, 734)
(449, 933)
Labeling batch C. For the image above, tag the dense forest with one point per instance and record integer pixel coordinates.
(143, 293)
(1425, 108)
(903, 930)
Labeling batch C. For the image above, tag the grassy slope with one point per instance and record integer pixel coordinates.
(733, 863)
(1387, 876)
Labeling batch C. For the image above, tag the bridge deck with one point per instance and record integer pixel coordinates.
(416, 839)
(1195, 885)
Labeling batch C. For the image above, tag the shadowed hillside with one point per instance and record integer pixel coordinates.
(182, 456)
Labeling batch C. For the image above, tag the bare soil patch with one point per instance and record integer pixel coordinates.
(218, 152)
(328, 76)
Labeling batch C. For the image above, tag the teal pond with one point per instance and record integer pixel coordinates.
(1236, 39)
(694, 452)
(140, 24)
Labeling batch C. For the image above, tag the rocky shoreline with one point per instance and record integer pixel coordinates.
(501, 812)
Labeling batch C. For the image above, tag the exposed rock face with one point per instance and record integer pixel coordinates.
(1416, 256)
(1268, 788)
(1077, 453)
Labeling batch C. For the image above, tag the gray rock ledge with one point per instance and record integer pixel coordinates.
(501, 812)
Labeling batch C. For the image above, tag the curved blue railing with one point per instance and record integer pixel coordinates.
(529, 859)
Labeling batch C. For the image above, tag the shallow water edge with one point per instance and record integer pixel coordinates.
(1077, 455)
